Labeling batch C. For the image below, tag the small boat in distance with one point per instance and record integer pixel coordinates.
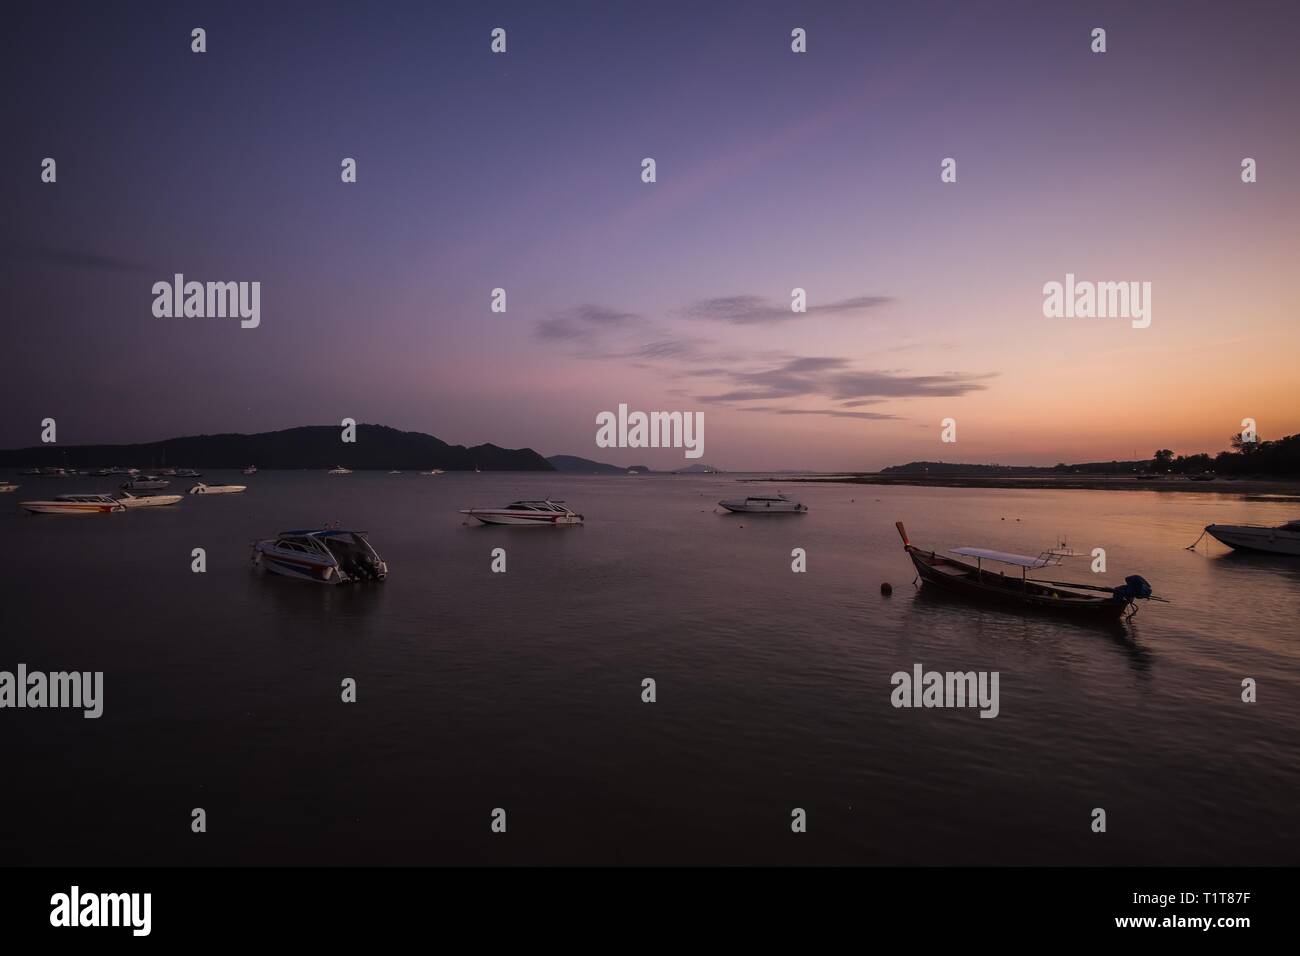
(973, 581)
(327, 556)
(433, 471)
(339, 470)
(129, 500)
(216, 489)
(521, 513)
(145, 483)
(6, 487)
(1284, 539)
(250, 470)
(188, 473)
(764, 505)
(75, 505)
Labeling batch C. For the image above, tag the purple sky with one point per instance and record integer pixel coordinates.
(775, 170)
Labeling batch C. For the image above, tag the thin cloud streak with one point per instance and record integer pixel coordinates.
(756, 310)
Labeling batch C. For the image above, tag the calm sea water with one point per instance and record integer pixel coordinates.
(522, 690)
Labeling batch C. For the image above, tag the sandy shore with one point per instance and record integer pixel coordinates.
(1243, 486)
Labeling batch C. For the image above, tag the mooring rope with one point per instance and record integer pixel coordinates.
(1192, 546)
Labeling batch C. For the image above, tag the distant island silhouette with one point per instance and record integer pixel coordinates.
(309, 446)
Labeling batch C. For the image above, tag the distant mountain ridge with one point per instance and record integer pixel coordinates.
(308, 446)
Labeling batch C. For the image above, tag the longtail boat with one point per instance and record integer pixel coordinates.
(1084, 601)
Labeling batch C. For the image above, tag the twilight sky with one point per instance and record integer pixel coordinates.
(776, 170)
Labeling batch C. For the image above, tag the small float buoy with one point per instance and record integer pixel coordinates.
(886, 589)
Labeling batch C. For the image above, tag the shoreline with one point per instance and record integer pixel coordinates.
(1241, 486)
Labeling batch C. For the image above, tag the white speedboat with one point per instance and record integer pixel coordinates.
(145, 483)
(520, 513)
(1284, 539)
(202, 489)
(764, 505)
(433, 471)
(250, 470)
(188, 473)
(329, 556)
(142, 501)
(339, 470)
(75, 505)
(6, 486)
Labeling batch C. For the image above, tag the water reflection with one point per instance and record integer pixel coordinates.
(955, 611)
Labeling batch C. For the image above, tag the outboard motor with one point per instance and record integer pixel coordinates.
(1135, 586)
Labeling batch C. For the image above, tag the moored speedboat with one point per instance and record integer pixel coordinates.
(6, 487)
(145, 483)
(432, 471)
(339, 470)
(328, 556)
(216, 489)
(1284, 539)
(250, 470)
(1084, 601)
(522, 513)
(74, 505)
(764, 505)
(143, 501)
(188, 473)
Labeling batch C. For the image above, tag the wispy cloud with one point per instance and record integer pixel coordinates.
(752, 379)
(838, 380)
(70, 258)
(829, 412)
(584, 323)
(756, 310)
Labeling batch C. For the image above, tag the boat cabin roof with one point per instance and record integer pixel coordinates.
(1006, 557)
(767, 498)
